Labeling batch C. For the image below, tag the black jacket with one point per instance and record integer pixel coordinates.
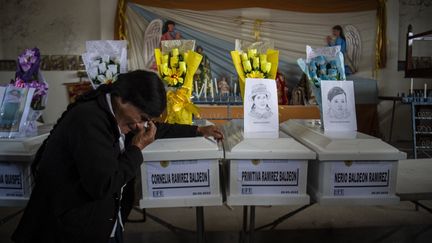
(77, 189)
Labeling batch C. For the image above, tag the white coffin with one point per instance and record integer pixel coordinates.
(19, 148)
(181, 172)
(265, 171)
(351, 168)
(16, 156)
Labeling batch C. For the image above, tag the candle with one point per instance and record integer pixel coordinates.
(211, 89)
(425, 91)
(411, 90)
(196, 89)
(216, 86)
(201, 91)
(205, 89)
(231, 84)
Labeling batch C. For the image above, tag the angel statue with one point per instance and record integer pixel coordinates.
(152, 38)
(348, 38)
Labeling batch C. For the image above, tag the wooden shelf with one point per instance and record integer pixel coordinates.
(418, 73)
(219, 114)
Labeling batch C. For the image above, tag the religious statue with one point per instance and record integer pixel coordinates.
(224, 87)
(282, 90)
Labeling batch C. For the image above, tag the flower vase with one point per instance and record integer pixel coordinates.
(31, 128)
(317, 93)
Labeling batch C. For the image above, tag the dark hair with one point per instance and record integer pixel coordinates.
(340, 29)
(143, 89)
(335, 91)
(165, 27)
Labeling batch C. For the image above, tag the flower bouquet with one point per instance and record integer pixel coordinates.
(28, 76)
(177, 65)
(104, 61)
(322, 64)
(254, 64)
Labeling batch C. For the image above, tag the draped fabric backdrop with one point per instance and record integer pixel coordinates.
(216, 31)
(307, 6)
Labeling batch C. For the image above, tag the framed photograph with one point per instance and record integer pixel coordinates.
(261, 113)
(338, 106)
(14, 110)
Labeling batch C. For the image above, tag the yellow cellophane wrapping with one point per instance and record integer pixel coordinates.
(272, 57)
(179, 106)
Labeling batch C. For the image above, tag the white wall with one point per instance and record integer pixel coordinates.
(419, 15)
(107, 18)
(391, 81)
(63, 26)
(56, 27)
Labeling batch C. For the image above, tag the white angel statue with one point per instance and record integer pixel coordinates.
(152, 38)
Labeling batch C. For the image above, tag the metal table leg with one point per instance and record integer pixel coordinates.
(252, 224)
(281, 219)
(392, 120)
(200, 224)
(243, 232)
(417, 204)
(413, 121)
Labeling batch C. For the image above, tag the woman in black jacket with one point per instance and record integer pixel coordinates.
(82, 167)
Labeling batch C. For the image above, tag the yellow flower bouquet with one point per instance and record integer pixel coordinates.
(252, 64)
(177, 69)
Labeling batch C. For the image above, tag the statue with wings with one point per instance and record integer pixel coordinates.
(353, 47)
(152, 38)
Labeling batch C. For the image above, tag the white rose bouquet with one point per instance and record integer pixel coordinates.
(104, 61)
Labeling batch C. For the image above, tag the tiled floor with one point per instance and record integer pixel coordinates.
(394, 223)
(399, 234)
